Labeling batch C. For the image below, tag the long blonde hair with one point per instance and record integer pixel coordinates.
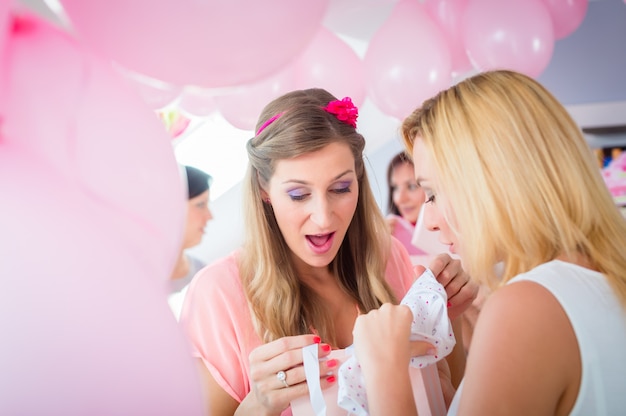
(523, 181)
(280, 304)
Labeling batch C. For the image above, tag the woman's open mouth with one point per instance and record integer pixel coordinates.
(320, 243)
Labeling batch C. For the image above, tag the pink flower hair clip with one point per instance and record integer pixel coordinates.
(344, 110)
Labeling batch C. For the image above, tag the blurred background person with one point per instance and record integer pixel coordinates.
(404, 202)
(198, 215)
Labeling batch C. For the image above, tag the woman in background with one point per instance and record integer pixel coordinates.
(405, 199)
(198, 214)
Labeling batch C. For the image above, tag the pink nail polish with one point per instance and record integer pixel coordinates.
(331, 379)
(331, 363)
(317, 339)
(449, 304)
(325, 347)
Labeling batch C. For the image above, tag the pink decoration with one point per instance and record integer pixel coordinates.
(155, 94)
(242, 107)
(358, 19)
(92, 214)
(175, 122)
(567, 15)
(407, 61)
(5, 8)
(508, 34)
(197, 102)
(344, 110)
(449, 15)
(211, 43)
(614, 175)
(332, 64)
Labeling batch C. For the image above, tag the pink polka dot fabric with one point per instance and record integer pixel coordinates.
(427, 300)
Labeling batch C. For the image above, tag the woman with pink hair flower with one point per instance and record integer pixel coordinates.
(316, 255)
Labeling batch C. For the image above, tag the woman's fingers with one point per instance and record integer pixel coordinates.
(272, 349)
(420, 348)
(446, 269)
(277, 373)
(296, 375)
(383, 333)
(460, 289)
(419, 270)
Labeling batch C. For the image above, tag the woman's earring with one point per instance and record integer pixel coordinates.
(267, 201)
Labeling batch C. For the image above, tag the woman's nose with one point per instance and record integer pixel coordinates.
(208, 216)
(321, 212)
(399, 194)
(431, 217)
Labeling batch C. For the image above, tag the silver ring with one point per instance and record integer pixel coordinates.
(282, 376)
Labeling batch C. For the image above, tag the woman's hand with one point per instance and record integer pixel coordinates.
(269, 395)
(461, 290)
(381, 338)
(383, 349)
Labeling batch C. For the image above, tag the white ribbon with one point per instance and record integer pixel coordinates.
(312, 372)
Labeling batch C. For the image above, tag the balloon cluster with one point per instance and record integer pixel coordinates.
(234, 56)
(92, 216)
(422, 47)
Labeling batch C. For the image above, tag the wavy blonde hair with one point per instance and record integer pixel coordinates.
(280, 303)
(507, 152)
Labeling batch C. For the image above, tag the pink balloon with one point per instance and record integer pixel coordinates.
(407, 61)
(242, 107)
(92, 213)
(93, 110)
(197, 102)
(449, 15)
(155, 94)
(211, 43)
(567, 15)
(332, 64)
(5, 7)
(498, 35)
(358, 19)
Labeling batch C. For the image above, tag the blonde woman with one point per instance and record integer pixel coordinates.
(317, 254)
(509, 178)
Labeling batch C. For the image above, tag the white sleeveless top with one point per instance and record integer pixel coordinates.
(599, 323)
